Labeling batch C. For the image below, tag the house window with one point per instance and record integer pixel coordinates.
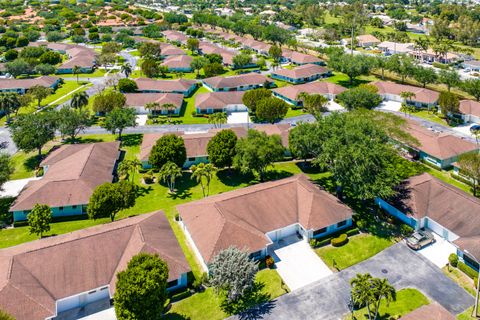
(60, 208)
(256, 254)
(191, 159)
(319, 231)
(172, 283)
(74, 207)
(341, 223)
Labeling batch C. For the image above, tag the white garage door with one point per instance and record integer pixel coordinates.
(282, 233)
(440, 230)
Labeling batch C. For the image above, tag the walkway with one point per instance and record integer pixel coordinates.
(298, 264)
(12, 188)
(328, 298)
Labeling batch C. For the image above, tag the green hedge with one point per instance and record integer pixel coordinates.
(340, 240)
(440, 65)
(324, 241)
(461, 179)
(469, 271)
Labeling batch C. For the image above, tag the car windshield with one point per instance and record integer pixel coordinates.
(417, 236)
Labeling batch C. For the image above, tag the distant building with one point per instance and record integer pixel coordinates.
(183, 86)
(242, 82)
(140, 100)
(470, 111)
(389, 47)
(291, 93)
(219, 102)
(21, 86)
(301, 74)
(391, 91)
(472, 65)
(180, 63)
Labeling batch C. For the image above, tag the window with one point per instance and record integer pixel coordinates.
(172, 283)
(191, 159)
(256, 255)
(92, 292)
(74, 207)
(319, 231)
(60, 208)
(341, 223)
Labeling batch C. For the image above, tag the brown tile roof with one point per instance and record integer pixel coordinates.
(303, 71)
(174, 35)
(439, 145)
(181, 61)
(421, 94)
(367, 38)
(170, 50)
(141, 99)
(317, 87)
(78, 55)
(74, 171)
(237, 81)
(36, 274)
(242, 217)
(281, 129)
(45, 81)
(209, 48)
(218, 100)
(470, 107)
(426, 196)
(432, 311)
(300, 58)
(145, 84)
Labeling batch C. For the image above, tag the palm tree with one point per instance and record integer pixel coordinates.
(383, 290)
(76, 71)
(475, 130)
(126, 69)
(129, 168)
(406, 95)
(362, 293)
(422, 44)
(152, 106)
(168, 107)
(203, 173)
(217, 119)
(79, 100)
(169, 173)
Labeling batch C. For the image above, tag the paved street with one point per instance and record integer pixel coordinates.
(5, 139)
(327, 298)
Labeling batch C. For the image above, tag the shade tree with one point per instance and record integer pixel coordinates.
(168, 148)
(39, 219)
(110, 198)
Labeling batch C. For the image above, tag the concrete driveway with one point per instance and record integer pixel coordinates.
(12, 188)
(438, 251)
(390, 105)
(299, 265)
(238, 117)
(328, 298)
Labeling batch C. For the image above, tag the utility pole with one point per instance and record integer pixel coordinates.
(353, 28)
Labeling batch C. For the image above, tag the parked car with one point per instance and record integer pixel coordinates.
(420, 239)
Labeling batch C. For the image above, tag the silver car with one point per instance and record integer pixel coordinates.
(420, 239)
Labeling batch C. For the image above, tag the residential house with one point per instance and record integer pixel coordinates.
(70, 175)
(367, 40)
(424, 201)
(140, 100)
(196, 142)
(179, 63)
(241, 82)
(168, 50)
(60, 276)
(183, 86)
(220, 102)
(291, 93)
(389, 47)
(301, 74)
(299, 58)
(470, 111)
(175, 36)
(439, 149)
(78, 56)
(206, 47)
(22, 85)
(431, 56)
(471, 65)
(256, 217)
(424, 98)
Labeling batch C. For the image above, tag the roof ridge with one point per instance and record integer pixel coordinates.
(456, 190)
(29, 297)
(36, 279)
(224, 221)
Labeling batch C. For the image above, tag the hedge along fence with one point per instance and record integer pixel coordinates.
(469, 271)
(324, 241)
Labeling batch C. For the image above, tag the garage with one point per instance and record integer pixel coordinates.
(439, 230)
(279, 234)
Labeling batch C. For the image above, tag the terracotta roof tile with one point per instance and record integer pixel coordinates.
(317, 87)
(303, 71)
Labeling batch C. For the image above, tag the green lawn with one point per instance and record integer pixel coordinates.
(294, 113)
(407, 301)
(425, 114)
(358, 248)
(97, 73)
(207, 305)
(460, 278)
(467, 315)
(343, 80)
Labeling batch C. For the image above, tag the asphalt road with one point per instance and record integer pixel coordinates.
(328, 298)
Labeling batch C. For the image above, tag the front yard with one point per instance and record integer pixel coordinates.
(407, 301)
(208, 305)
(359, 248)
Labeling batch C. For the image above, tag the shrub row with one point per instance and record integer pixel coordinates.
(324, 241)
(462, 179)
(469, 271)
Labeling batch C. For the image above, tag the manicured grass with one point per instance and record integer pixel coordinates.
(358, 248)
(425, 114)
(461, 279)
(467, 314)
(294, 113)
(343, 80)
(207, 305)
(407, 301)
(97, 73)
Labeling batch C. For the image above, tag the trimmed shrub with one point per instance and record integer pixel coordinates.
(406, 230)
(352, 232)
(313, 243)
(361, 224)
(269, 262)
(467, 270)
(475, 282)
(340, 240)
(453, 260)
